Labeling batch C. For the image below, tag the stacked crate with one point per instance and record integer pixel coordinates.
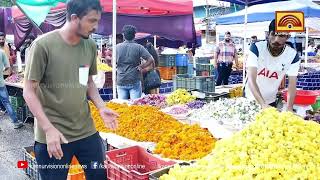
(182, 63)
(16, 102)
(197, 83)
(203, 66)
(167, 66)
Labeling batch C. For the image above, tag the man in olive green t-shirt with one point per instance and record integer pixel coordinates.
(58, 80)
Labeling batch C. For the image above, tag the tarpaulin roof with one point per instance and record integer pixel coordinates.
(251, 2)
(176, 23)
(136, 7)
(266, 12)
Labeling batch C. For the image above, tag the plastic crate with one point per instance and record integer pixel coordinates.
(203, 60)
(158, 174)
(198, 83)
(28, 112)
(167, 73)
(167, 60)
(215, 96)
(16, 101)
(132, 163)
(182, 70)
(205, 67)
(181, 60)
(108, 80)
(32, 170)
(21, 114)
(204, 73)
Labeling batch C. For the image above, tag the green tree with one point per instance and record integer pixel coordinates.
(6, 3)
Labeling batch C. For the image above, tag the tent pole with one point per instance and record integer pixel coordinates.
(207, 22)
(32, 22)
(114, 42)
(101, 45)
(245, 46)
(306, 47)
(155, 41)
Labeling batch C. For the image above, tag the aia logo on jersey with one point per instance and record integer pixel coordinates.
(266, 73)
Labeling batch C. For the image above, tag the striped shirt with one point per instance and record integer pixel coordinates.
(226, 52)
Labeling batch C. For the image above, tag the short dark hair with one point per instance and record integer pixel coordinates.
(82, 7)
(129, 32)
(2, 34)
(272, 26)
(228, 33)
(31, 37)
(254, 37)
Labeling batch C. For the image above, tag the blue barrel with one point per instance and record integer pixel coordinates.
(181, 60)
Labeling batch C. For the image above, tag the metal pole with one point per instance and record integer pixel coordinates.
(245, 52)
(114, 42)
(32, 22)
(207, 22)
(101, 45)
(155, 41)
(306, 47)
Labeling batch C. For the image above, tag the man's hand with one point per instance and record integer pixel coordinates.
(109, 117)
(54, 139)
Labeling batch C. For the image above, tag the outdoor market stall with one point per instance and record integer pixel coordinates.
(212, 131)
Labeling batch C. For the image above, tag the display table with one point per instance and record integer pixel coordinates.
(17, 85)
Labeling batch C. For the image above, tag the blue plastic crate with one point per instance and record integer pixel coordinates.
(182, 60)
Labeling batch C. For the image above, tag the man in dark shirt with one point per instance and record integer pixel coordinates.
(129, 55)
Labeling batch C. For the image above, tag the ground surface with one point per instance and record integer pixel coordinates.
(11, 148)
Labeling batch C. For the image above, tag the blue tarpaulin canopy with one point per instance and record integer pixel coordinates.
(266, 12)
(251, 2)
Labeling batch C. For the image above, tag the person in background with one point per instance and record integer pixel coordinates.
(150, 48)
(4, 64)
(119, 38)
(13, 54)
(311, 46)
(254, 39)
(225, 55)
(317, 51)
(193, 49)
(58, 83)
(4, 46)
(26, 47)
(103, 51)
(129, 67)
(268, 63)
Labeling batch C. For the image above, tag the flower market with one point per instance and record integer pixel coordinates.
(160, 89)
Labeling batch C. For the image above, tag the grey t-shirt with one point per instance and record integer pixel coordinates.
(128, 59)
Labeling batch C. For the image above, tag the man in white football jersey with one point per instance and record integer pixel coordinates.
(268, 63)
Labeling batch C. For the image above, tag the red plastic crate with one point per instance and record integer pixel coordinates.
(303, 97)
(133, 163)
(167, 73)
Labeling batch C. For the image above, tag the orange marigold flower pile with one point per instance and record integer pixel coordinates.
(146, 123)
(186, 143)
